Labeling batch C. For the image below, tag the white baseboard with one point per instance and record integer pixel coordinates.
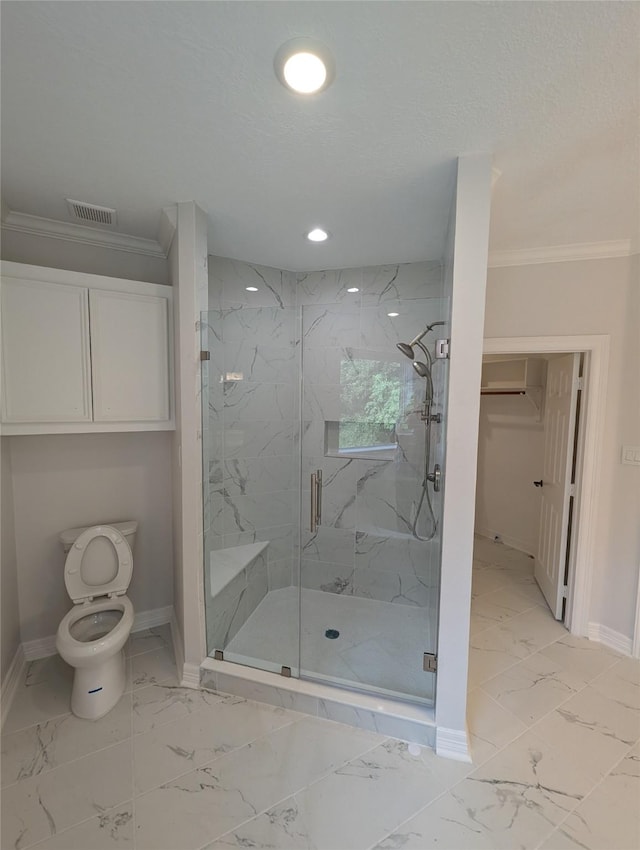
(513, 542)
(452, 744)
(151, 618)
(190, 676)
(11, 682)
(609, 637)
(40, 648)
(44, 647)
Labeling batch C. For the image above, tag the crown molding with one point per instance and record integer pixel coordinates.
(561, 253)
(24, 223)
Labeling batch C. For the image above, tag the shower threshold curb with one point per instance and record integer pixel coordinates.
(395, 718)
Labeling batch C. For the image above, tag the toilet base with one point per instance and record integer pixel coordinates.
(97, 689)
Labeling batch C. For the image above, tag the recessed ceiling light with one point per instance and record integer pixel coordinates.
(251, 288)
(304, 66)
(393, 315)
(353, 289)
(317, 235)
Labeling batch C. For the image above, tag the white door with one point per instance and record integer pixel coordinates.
(559, 432)
(129, 357)
(45, 352)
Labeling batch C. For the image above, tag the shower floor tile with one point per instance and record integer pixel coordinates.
(380, 644)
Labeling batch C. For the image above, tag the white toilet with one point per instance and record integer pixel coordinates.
(91, 637)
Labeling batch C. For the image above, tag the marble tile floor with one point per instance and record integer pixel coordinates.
(380, 644)
(555, 734)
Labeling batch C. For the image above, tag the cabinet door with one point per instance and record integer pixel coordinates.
(129, 357)
(45, 352)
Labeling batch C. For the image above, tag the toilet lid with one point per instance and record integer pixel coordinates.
(99, 563)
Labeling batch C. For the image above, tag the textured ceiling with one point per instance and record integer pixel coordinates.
(137, 105)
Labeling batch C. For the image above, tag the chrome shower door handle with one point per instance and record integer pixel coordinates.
(316, 500)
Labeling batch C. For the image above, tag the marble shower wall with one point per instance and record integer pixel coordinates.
(252, 418)
(364, 546)
(253, 426)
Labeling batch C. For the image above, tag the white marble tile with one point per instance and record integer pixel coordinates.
(443, 825)
(387, 587)
(621, 683)
(532, 630)
(210, 801)
(330, 326)
(491, 652)
(258, 362)
(156, 705)
(533, 687)
(499, 605)
(584, 657)
(332, 545)
(252, 402)
(326, 287)
(274, 287)
(593, 728)
(45, 693)
(249, 476)
(280, 573)
(258, 439)
(264, 325)
(152, 668)
(255, 511)
(180, 746)
(491, 727)
(609, 817)
(280, 540)
(355, 805)
(383, 724)
(329, 578)
(47, 745)
(44, 805)
(523, 792)
(110, 830)
(405, 281)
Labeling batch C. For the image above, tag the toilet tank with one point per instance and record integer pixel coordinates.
(126, 529)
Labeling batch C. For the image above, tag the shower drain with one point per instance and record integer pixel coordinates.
(332, 634)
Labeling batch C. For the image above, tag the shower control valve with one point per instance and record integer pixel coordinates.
(435, 477)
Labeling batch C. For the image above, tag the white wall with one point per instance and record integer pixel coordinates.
(66, 480)
(79, 257)
(10, 622)
(510, 456)
(591, 297)
(465, 276)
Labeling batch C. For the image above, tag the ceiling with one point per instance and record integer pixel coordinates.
(137, 105)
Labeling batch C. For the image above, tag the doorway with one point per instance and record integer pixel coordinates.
(585, 508)
(528, 462)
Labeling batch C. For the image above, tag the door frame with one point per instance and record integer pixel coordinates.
(590, 439)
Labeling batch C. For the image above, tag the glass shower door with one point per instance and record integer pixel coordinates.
(250, 393)
(370, 533)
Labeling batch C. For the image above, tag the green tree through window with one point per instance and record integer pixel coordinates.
(371, 403)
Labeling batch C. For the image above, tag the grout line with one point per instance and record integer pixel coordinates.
(67, 829)
(329, 772)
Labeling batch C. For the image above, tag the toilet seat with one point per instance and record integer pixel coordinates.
(110, 575)
(83, 653)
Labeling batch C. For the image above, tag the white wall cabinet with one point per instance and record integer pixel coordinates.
(84, 353)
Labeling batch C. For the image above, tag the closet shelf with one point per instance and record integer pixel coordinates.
(514, 376)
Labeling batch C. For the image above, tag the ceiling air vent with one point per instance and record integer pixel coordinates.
(91, 213)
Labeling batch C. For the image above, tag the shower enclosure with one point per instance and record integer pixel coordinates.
(323, 473)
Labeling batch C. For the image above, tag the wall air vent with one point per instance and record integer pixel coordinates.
(91, 213)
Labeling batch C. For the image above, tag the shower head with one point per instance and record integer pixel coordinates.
(407, 347)
(421, 368)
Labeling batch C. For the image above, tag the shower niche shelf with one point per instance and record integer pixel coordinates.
(514, 376)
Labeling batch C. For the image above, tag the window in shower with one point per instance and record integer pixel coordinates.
(375, 396)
